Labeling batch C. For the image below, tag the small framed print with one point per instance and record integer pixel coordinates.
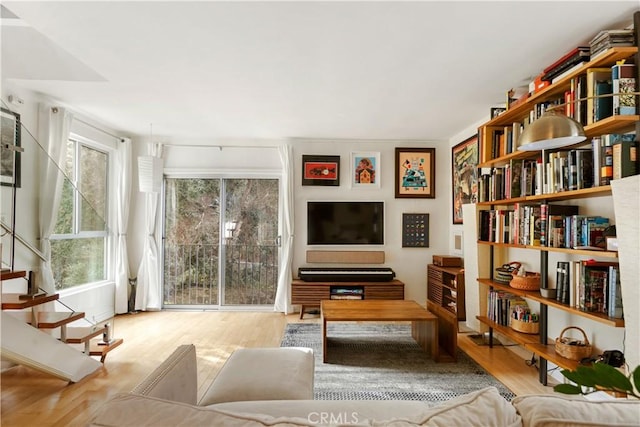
(10, 153)
(415, 171)
(496, 111)
(415, 230)
(321, 170)
(365, 170)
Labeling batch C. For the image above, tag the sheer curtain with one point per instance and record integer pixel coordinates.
(148, 288)
(55, 125)
(123, 193)
(285, 276)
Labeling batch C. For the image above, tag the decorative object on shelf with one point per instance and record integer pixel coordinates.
(365, 169)
(415, 173)
(600, 377)
(572, 348)
(525, 280)
(415, 230)
(552, 130)
(496, 111)
(464, 158)
(525, 327)
(10, 150)
(548, 293)
(504, 275)
(321, 170)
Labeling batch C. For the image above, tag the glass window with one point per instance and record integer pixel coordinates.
(79, 239)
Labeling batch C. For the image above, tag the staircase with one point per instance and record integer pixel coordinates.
(25, 342)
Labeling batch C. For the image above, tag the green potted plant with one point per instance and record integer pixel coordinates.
(600, 377)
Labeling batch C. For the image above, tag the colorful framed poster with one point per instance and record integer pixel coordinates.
(365, 170)
(10, 152)
(464, 168)
(415, 173)
(321, 170)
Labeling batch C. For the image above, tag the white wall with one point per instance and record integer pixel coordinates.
(96, 302)
(409, 264)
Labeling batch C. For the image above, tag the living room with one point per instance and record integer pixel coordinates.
(218, 139)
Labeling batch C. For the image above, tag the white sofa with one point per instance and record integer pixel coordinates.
(167, 397)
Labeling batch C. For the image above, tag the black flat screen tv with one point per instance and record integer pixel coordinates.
(345, 223)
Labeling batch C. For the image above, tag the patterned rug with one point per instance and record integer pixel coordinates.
(371, 361)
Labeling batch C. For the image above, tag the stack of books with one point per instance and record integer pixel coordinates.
(568, 63)
(610, 38)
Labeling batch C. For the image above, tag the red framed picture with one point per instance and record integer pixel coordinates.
(320, 170)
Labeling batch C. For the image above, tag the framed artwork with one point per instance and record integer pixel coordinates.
(9, 156)
(496, 111)
(415, 230)
(320, 170)
(464, 168)
(415, 173)
(365, 169)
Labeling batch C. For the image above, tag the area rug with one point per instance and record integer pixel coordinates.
(382, 362)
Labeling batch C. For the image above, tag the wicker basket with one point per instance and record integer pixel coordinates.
(572, 348)
(503, 274)
(525, 327)
(528, 282)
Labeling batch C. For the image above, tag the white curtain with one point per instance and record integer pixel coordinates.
(148, 288)
(285, 276)
(55, 125)
(123, 193)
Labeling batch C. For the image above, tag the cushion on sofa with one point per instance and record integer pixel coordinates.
(140, 411)
(263, 374)
(174, 379)
(558, 410)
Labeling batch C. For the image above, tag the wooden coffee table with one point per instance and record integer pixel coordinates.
(424, 324)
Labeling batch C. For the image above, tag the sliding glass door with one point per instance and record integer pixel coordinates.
(220, 242)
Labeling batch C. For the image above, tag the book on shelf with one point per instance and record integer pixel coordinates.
(625, 155)
(594, 285)
(614, 294)
(607, 39)
(552, 223)
(606, 159)
(595, 75)
(596, 151)
(603, 104)
(577, 55)
(623, 80)
(563, 275)
(584, 161)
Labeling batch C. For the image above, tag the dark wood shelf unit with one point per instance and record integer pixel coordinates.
(445, 299)
(309, 294)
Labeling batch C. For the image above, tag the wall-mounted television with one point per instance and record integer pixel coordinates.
(345, 223)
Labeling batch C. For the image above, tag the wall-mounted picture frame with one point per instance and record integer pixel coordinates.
(464, 168)
(457, 243)
(320, 170)
(365, 169)
(9, 157)
(415, 230)
(415, 173)
(496, 111)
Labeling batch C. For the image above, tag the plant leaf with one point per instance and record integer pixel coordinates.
(636, 377)
(567, 389)
(610, 377)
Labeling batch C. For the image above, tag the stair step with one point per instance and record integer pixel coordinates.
(8, 275)
(50, 319)
(83, 334)
(99, 349)
(13, 301)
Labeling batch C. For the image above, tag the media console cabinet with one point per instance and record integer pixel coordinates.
(309, 294)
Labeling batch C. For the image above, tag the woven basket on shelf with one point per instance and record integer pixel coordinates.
(571, 348)
(528, 282)
(503, 274)
(525, 327)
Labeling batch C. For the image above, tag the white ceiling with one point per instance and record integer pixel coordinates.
(214, 70)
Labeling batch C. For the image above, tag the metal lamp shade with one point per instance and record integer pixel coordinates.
(552, 130)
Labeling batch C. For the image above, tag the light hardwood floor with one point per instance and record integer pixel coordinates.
(30, 398)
